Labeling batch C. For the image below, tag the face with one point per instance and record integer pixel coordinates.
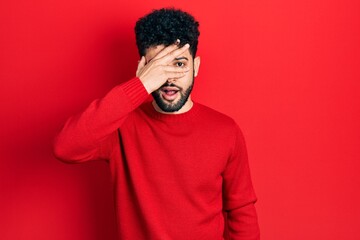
(175, 93)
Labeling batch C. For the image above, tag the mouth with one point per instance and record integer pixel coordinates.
(169, 93)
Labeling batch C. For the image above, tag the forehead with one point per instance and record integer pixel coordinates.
(151, 52)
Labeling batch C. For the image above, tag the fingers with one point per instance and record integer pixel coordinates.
(175, 72)
(167, 49)
(175, 75)
(169, 68)
(158, 70)
(168, 54)
(140, 65)
(175, 53)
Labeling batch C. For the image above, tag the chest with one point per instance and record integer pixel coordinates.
(198, 151)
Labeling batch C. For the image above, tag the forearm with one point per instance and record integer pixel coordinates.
(242, 223)
(82, 134)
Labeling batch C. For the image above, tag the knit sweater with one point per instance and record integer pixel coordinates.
(176, 176)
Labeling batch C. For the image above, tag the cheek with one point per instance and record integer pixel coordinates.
(190, 73)
(186, 80)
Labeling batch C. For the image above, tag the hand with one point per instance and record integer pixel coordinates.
(157, 71)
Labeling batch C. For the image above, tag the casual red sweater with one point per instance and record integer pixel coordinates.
(176, 176)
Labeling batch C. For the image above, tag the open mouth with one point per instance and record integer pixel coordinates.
(169, 93)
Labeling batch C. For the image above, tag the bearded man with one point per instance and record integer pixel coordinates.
(179, 168)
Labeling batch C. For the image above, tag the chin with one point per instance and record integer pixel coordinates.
(173, 107)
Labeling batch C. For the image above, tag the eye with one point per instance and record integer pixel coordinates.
(179, 64)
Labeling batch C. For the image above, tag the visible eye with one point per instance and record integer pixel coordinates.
(180, 64)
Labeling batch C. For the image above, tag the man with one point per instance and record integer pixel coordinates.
(179, 168)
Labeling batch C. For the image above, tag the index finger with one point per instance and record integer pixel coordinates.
(167, 50)
(170, 56)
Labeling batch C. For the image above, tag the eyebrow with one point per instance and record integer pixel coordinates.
(181, 58)
(177, 59)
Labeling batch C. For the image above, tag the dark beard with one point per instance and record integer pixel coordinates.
(172, 107)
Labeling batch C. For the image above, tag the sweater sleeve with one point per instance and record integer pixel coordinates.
(238, 195)
(82, 135)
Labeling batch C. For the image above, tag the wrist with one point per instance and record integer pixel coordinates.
(147, 86)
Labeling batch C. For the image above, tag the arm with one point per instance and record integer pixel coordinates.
(83, 135)
(238, 194)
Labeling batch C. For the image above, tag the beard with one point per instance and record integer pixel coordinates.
(169, 106)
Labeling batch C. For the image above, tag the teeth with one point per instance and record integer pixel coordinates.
(170, 91)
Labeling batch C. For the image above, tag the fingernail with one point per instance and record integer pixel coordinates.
(187, 45)
(177, 41)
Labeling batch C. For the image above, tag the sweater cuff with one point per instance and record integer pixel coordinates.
(136, 91)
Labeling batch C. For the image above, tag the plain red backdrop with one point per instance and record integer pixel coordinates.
(286, 71)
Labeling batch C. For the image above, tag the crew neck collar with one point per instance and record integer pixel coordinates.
(188, 115)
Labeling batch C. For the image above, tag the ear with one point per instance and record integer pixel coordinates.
(196, 65)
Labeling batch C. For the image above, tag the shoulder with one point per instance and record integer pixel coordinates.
(223, 125)
(219, 122)
(213, 116)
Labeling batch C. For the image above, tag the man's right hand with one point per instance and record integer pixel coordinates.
(158, 70)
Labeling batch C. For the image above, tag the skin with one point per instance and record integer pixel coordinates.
(170, 64)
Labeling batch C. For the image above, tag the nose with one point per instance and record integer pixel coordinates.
(171, 80)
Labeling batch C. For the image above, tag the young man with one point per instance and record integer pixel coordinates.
(179, 168)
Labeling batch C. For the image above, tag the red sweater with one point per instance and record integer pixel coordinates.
(177, 176)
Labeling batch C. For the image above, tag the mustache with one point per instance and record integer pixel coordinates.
(167, 84)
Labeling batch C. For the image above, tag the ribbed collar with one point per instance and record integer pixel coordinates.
(149, 109)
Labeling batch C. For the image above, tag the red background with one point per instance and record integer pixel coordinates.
(286, 71)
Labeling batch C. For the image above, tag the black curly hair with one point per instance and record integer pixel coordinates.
(163, 27)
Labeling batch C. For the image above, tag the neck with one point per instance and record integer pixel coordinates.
(187, 106)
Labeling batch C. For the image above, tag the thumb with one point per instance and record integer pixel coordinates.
(140, 65)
